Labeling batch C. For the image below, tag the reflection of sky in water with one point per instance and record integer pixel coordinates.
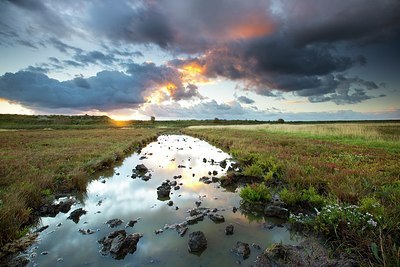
(126, 198)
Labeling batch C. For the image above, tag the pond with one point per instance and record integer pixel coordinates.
(177, 158)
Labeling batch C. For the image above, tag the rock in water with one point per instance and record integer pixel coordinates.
(276, 211)
(118, 244)
(164, 190)
(229, 229)
(114, 222)
(242, 249)
(216, 218)
(197, 242)
(76, 214)
(141, 168)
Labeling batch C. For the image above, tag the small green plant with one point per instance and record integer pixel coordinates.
(255, 193)
(308, 197)
(253, 170)
(47, 192)
(371, 205)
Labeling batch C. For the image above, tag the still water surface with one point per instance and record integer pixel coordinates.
(125, 198)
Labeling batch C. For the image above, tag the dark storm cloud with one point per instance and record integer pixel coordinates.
(302, 47)
(331, 21)
(127, 23)
(245, 100)
(106, 91)
(42, 17)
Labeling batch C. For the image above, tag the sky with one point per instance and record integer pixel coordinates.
(196, 59)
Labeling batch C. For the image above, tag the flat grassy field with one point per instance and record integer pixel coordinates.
(341, 181)
(38, 163)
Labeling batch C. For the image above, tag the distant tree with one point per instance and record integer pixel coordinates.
(216, 120)
(152, 119)
(280, 121)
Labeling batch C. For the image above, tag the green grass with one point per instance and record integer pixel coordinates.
(255, 193)
(319, 170)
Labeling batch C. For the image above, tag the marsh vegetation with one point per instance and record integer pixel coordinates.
(340, 180)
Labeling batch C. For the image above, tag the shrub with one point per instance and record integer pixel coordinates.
(255, 193)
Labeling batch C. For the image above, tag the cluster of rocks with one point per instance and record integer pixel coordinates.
(76, 215)
(51, 210)
(208, 180)
(118, 244)
(141, 171)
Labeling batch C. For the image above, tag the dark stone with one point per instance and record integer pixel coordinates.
(229, 229)
(76, 214)
(242, 249)
(103, 181)
(214, 172)
(177, 176)
(114, 222)
(131, 223)
(87, 231)
(215, 179)
(118, 244)
(194, 219)
(234, 209)
(164, 190)
(177, 187)
(51, 210)
(216, 218)
(204, 160)
(141, 168)
(146, 177)
(142, 158)
(276, 211)
(223, 164)
(256, 246)
(197, 242)
(170, 203)
(181, 166)
(173, 183)
(158, 231)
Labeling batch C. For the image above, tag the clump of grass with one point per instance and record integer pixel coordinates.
(257, 165)
(306, 198)
(255, 193)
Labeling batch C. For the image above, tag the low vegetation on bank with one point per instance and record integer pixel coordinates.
(341, 180)
(36, 164)
(343, 187)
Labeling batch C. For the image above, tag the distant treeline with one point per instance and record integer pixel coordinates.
(11, 121)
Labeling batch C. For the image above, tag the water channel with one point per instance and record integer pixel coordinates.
(120, 196)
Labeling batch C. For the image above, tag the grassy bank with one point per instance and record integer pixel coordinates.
(346, 190)
(36, 164)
